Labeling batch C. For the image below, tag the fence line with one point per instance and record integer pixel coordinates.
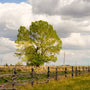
(34, 77)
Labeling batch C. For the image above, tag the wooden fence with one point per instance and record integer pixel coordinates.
(33, 77)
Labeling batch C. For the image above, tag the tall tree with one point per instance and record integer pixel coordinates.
(39, 44)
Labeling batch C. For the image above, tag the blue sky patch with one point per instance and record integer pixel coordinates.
(12, 1)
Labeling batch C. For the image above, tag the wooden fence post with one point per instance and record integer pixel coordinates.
(48, 73)
(56, 74)
(13, 79)
(88, 68)
(76, 71)
(32, 82)
(14, 71)
(79, 70)
(83, 70)
(72, 71)
(65, 72)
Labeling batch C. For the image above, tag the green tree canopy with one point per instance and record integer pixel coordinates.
(39, 44)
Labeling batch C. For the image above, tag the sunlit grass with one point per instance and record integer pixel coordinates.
(76, 83)
(43, 69)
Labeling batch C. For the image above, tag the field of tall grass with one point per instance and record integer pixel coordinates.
(23, 69)
(40, 74)
(76, 83)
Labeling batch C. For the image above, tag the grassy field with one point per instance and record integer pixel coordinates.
(24, 69)
(77, 83)
(38, 74)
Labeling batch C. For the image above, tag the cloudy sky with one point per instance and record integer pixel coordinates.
(70, 18)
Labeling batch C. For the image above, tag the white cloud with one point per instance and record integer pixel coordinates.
(12, 16)
(8, 58)
(77, 41)
(73, 57)
(22, 14)
(6, 45)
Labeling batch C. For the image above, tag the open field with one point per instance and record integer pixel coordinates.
(10, 77)
(77, 83)
(23, 69)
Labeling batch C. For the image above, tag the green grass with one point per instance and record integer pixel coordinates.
(77, 83)
(36, 76)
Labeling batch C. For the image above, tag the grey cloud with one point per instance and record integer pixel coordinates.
(44, 6)
(10, 22)
(8, 33)
(12, 34)
(75, 9)
(63, 35)
(86, 0)
(6, 45)
(65, 28)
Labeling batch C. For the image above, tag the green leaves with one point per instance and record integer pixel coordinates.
(23, 34)
(39, 44)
